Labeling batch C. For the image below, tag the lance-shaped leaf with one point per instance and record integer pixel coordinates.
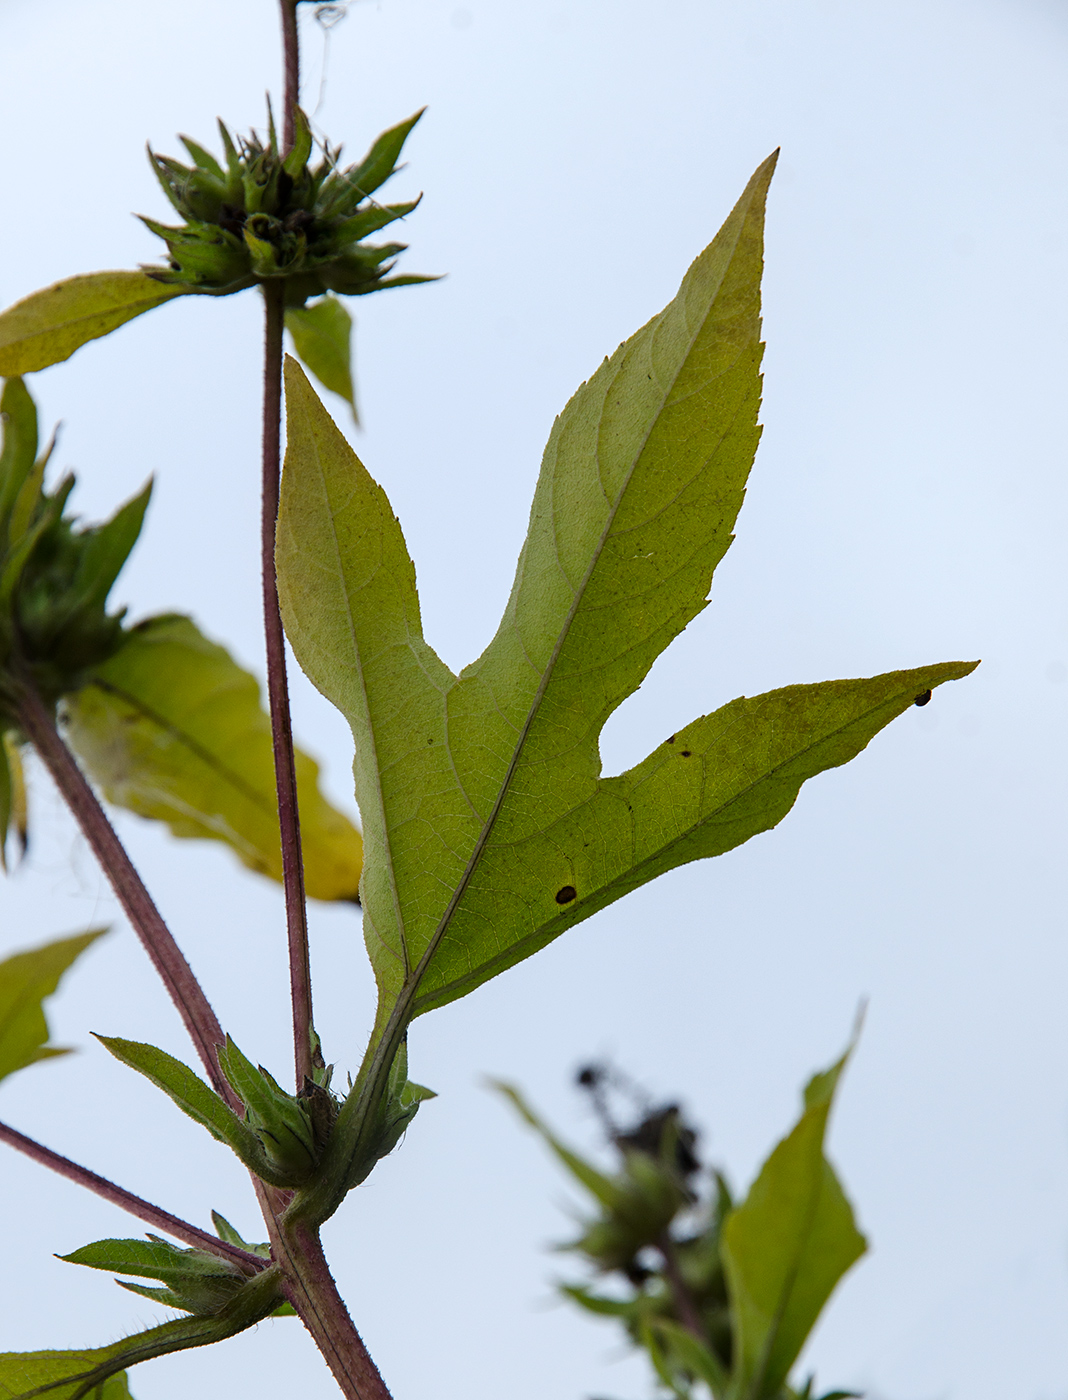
(25, 980)
(75, 1375)
(322, 337)
(19, 450)
(488, 828)
(195, 1281)
(348, 188)
(172, 728)
(49, 325)
(786, 1247)
(199, 1102)
(603, 1188)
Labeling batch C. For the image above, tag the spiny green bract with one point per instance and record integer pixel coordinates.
(55, 576)
(269, 215)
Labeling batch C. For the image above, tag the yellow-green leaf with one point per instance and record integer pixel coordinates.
(49, 325)
(785, 1249)
(30, 1372)
(488, 826)
(172, 728)
(25, 980)
(322, 337)
(90, 1374)
(13, 810)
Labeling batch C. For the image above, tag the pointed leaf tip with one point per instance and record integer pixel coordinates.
(49, 325)
(322, 337)
(786, 1247)
(26, 979)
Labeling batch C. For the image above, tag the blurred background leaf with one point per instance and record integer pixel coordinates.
(172, 728)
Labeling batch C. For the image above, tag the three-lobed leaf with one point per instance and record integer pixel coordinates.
(785, 1249)
(25, 980)
(488, 827)
(48, 326)
(172, 728)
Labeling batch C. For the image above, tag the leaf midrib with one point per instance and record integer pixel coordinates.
(205, 755)
(370, 733)
(789, 1283)
(487, 829)
(677, 840)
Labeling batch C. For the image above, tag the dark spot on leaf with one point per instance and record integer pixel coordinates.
(671, 740)
(686, 753)
(566, 895)
(430, 741)
(922, 699)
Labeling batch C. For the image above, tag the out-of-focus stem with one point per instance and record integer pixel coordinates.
(685, 1306)
(291, 51)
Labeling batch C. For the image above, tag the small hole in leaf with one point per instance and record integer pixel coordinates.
(922, 699)
(566, 895)
(686, 753)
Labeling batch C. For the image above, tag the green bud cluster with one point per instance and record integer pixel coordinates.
(657, 1229)
(55, 575)
(292, 1129)
(263, 215)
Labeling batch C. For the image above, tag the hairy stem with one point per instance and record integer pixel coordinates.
(310, 1288)
(685, 1307)
(278, 690)
(144, 1210)
(308, 1283)
(291, 50)
(168, 959)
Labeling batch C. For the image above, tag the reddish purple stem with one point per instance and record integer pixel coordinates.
(126, 1200)
(278, 691)
(167, 958)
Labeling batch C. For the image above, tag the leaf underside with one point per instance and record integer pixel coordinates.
(23, 1373)
(322, 338)
(488, 827)
(96, 1374)
(25, 980)
(49, 325)
(172, 728)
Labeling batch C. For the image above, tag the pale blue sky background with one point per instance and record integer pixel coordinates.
(909, 504)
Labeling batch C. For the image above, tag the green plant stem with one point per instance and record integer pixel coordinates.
(310, 1288)
(291, 52)
(685, 1306)
(196, 1012)
(278, 690)
(126, 1200)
